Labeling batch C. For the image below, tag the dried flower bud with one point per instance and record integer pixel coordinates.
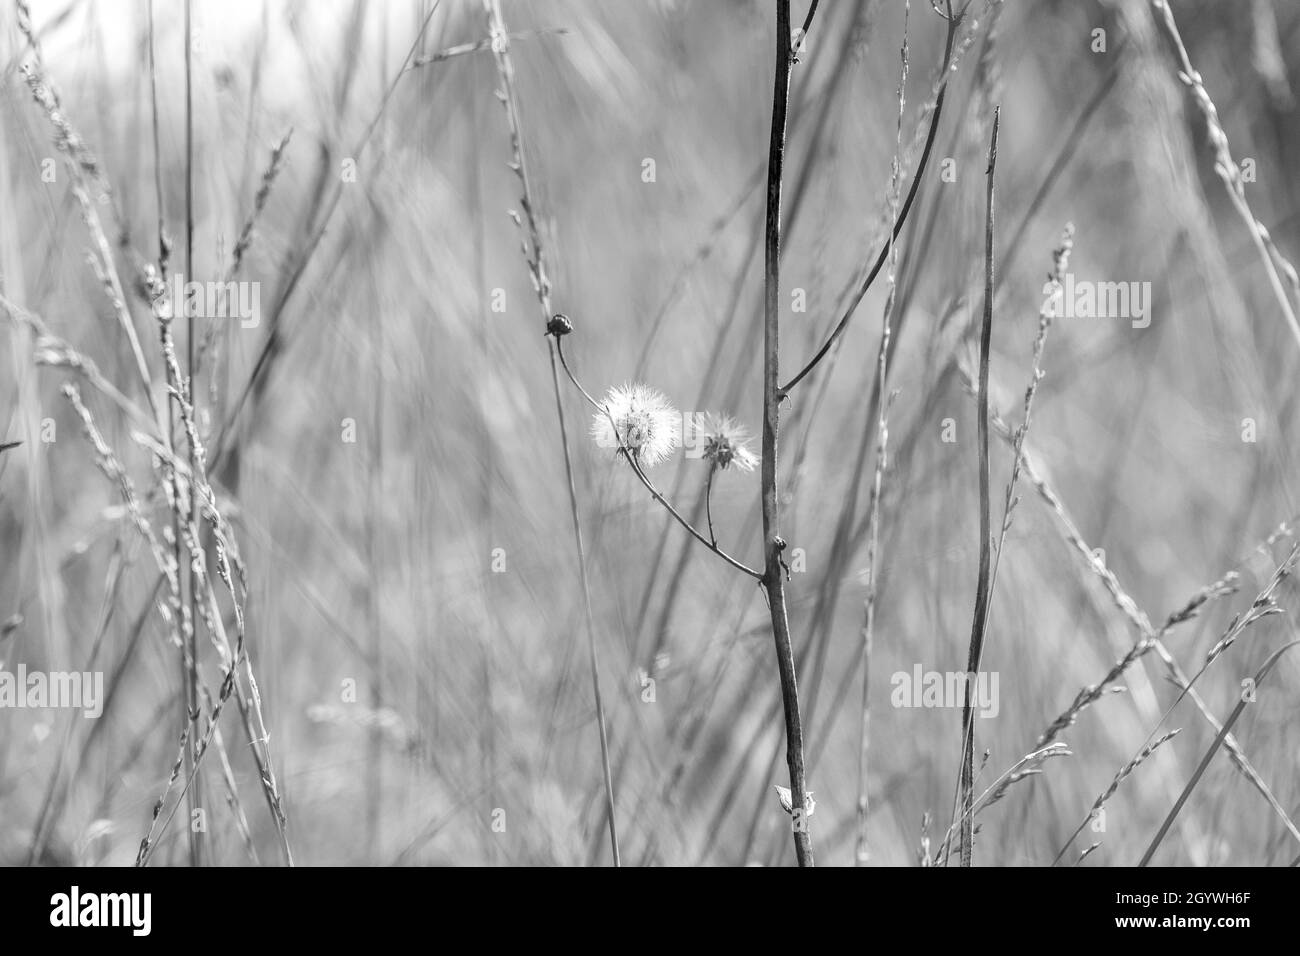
(559, 325)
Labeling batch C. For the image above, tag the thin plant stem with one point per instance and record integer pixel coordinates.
(1209, 755)
(861, 848)
(191, 692)
(980, 618)
(1030, 765)
(708, 502)
(802, 34)
(1230, 173)
(541, 284)
(954, 22)
(189, 709)
(1123, 774)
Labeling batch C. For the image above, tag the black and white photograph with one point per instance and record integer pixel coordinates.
(655, 433)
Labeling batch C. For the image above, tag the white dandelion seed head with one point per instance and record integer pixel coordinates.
(726, 443)
(647, 425)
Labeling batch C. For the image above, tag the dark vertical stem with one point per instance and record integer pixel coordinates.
(773, 545)
(980, 619)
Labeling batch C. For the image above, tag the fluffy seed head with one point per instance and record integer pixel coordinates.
(726, 443)
(646, 424)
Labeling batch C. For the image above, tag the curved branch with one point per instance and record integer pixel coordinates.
(627, 455)
(784, 390)
(807, 23)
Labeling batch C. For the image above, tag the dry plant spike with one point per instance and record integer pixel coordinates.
(883, 403)
(1228, 171)
(1097, 805)
(1209, 754)
(1028, 766)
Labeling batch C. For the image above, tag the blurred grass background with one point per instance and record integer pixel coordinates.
(372, 560)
